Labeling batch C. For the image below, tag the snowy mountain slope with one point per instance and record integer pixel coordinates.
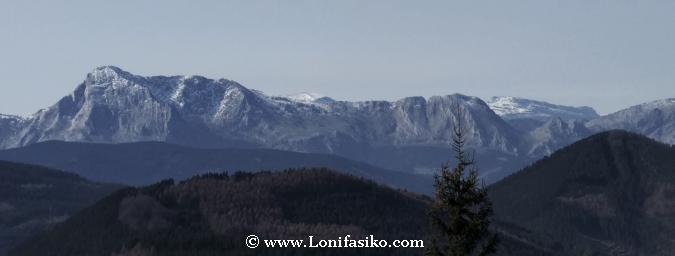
(518, 108)
(9, 126)
(8, 120)
(654, 119)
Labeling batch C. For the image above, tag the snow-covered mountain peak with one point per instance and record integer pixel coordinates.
(11, 117)
(509, 107)
(654, 119)
(104, 84)
(659, 103)
(504, 105)
(471, 100)
(308, 98)
(107, 73)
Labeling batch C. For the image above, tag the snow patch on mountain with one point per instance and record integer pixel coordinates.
(308, 98)
(517, 108)
(628, 118)
(11, 117)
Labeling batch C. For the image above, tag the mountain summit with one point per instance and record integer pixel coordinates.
(518, 108)
(654, 119)
(309, 98)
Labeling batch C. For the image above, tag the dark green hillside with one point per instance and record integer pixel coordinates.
(144, 163)
(212, 214)
(27, 192)
(608, 194)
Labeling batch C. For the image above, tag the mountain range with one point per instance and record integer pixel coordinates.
(409, 135)
(113, 106)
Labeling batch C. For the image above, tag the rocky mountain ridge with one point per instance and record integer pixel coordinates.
(654, 119)
(114, 106)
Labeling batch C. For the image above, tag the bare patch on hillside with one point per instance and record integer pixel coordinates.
(4, 207)
(142, 212)
(661, 202)
(137, 250)
(31, 186)
(597, 204)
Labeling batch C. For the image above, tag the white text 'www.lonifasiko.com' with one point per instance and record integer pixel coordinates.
(253, 241)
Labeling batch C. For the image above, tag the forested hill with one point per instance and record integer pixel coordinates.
(212, 214)
(610, 194)
(33, 198)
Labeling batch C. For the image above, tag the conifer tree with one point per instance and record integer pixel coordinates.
(460, 214)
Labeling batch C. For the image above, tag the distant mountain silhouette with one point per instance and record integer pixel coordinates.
(144, 163)
(35, 198)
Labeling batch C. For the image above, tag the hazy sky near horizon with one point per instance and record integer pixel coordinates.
(605, 54)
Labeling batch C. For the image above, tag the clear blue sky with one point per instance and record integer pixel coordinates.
(605, 54)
